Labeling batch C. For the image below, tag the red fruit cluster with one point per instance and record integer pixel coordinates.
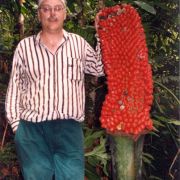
(129, 77)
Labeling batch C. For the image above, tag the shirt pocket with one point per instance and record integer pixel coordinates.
(74, 69)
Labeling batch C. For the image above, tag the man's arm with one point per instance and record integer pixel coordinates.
(13, 93)
(93, 62)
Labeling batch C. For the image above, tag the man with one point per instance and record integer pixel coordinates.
(45, 97)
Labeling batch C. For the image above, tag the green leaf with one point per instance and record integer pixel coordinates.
(77, 8)
(154, 178)
(92, 160)
(168, 90)
(98, 150)
(146, 7)
(24, 11)
(158, 123)
(147, 155)
(91, 174)
(166, 120)
(91, 136)
(104, 162)
(154, 134)
(161, 118)
(175, 122)
(146, 160)
(98, 153)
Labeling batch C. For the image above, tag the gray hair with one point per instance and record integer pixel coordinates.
(63, 1)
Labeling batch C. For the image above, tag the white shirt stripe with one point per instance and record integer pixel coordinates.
(45, 86)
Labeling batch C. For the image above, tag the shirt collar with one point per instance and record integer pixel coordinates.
(65, 36)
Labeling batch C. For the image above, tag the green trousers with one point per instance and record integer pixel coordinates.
(50, 149)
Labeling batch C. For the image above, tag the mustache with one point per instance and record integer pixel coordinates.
(52, 18)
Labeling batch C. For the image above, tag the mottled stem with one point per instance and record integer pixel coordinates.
(126, 157)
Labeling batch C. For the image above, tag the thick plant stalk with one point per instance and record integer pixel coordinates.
(127, 157)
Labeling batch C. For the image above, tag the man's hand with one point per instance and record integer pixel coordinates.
(97, 20)
(14, 131)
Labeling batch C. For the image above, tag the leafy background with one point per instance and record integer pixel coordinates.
(161, 23)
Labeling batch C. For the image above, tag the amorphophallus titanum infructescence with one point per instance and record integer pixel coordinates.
(126, 110)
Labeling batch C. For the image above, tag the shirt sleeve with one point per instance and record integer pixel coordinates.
(13, 94)
(93, 62)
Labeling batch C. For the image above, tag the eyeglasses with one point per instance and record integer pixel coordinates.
(48, 9)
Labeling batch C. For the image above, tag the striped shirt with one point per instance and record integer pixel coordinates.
(45, 86)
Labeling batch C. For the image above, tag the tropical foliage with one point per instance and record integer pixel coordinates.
(161, 22)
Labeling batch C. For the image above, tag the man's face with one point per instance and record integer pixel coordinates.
(52, 14)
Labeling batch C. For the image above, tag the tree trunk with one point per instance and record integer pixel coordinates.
(21, 21)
